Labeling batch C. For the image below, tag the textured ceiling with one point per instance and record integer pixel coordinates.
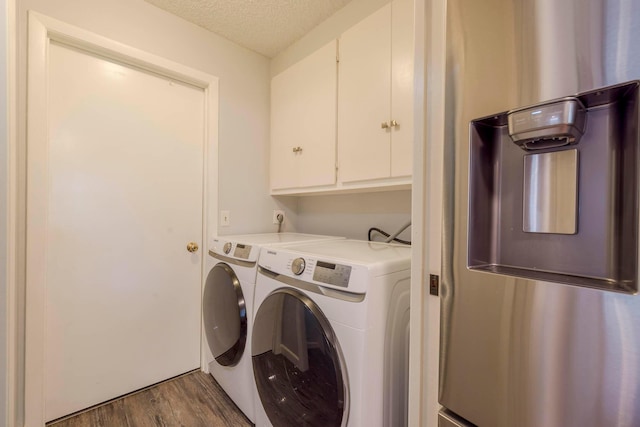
(265, 26)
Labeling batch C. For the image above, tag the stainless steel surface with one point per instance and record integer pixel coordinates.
(446, 419)
(230, 260)
(550, 192)
(523, 352)
(297, 266)
(312, 287)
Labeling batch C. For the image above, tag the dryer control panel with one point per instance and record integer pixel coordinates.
(230, 250)
(321, 271)
(332, 274)
(325, 272)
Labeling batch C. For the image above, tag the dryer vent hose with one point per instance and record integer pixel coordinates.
(394, 236)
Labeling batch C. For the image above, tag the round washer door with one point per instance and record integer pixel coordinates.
(225, 315)
(297, 363)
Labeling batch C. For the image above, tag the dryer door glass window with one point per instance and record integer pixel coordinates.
(225, 315)
(297, 363)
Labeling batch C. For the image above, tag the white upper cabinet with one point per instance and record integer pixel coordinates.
(375, 102)
(365, 100)
(402, 65)
(303, 122)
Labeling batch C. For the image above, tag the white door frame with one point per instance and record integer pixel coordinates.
(10, 305)
(42, 31)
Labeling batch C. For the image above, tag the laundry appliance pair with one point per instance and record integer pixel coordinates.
(310, 332)
(228, 309)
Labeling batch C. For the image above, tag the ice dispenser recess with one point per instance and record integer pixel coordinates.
(553, 190)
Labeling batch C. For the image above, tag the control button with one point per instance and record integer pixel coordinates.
(298, 266)
(227, 247)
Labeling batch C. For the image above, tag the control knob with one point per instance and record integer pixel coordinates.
(227, 247)
(298, 266)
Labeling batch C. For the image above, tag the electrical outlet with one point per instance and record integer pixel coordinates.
(225, 218)
(277, 212)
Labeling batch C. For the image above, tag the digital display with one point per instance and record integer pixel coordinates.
(332, 274)
(326, 265)
(242, 251)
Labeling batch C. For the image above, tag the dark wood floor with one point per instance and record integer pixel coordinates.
(192, 400)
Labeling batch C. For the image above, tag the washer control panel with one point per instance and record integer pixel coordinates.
(298, 265)
(227, 247)
(332, 274)
(242, 251)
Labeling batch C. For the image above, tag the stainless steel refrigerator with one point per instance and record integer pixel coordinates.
(540, 305)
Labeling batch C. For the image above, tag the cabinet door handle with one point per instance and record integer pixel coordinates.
(384, 125)
(394, 123)
(297, 149)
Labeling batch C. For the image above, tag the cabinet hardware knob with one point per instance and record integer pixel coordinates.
(384, 125)
(297, 149)
(192, 247)
(394, 123)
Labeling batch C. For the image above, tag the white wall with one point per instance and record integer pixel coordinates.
(352, 215)
(349, 215)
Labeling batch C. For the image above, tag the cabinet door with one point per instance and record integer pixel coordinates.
(364, 98)
(402, 87)
(303, 122)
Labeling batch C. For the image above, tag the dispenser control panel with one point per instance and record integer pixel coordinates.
(549, 125)
(542, 116)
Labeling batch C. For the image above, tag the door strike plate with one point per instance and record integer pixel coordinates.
(434, 284)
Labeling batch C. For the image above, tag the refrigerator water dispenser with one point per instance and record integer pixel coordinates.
(553, 190)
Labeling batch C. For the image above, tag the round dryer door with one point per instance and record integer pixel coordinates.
(225, 315)
(297, 363)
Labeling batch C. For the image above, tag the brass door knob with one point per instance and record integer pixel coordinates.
(192, 247)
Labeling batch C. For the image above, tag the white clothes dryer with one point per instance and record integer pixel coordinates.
(227, 308)
(330, 345)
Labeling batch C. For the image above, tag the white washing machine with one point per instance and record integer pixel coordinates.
(330, 344)
(228, 309)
